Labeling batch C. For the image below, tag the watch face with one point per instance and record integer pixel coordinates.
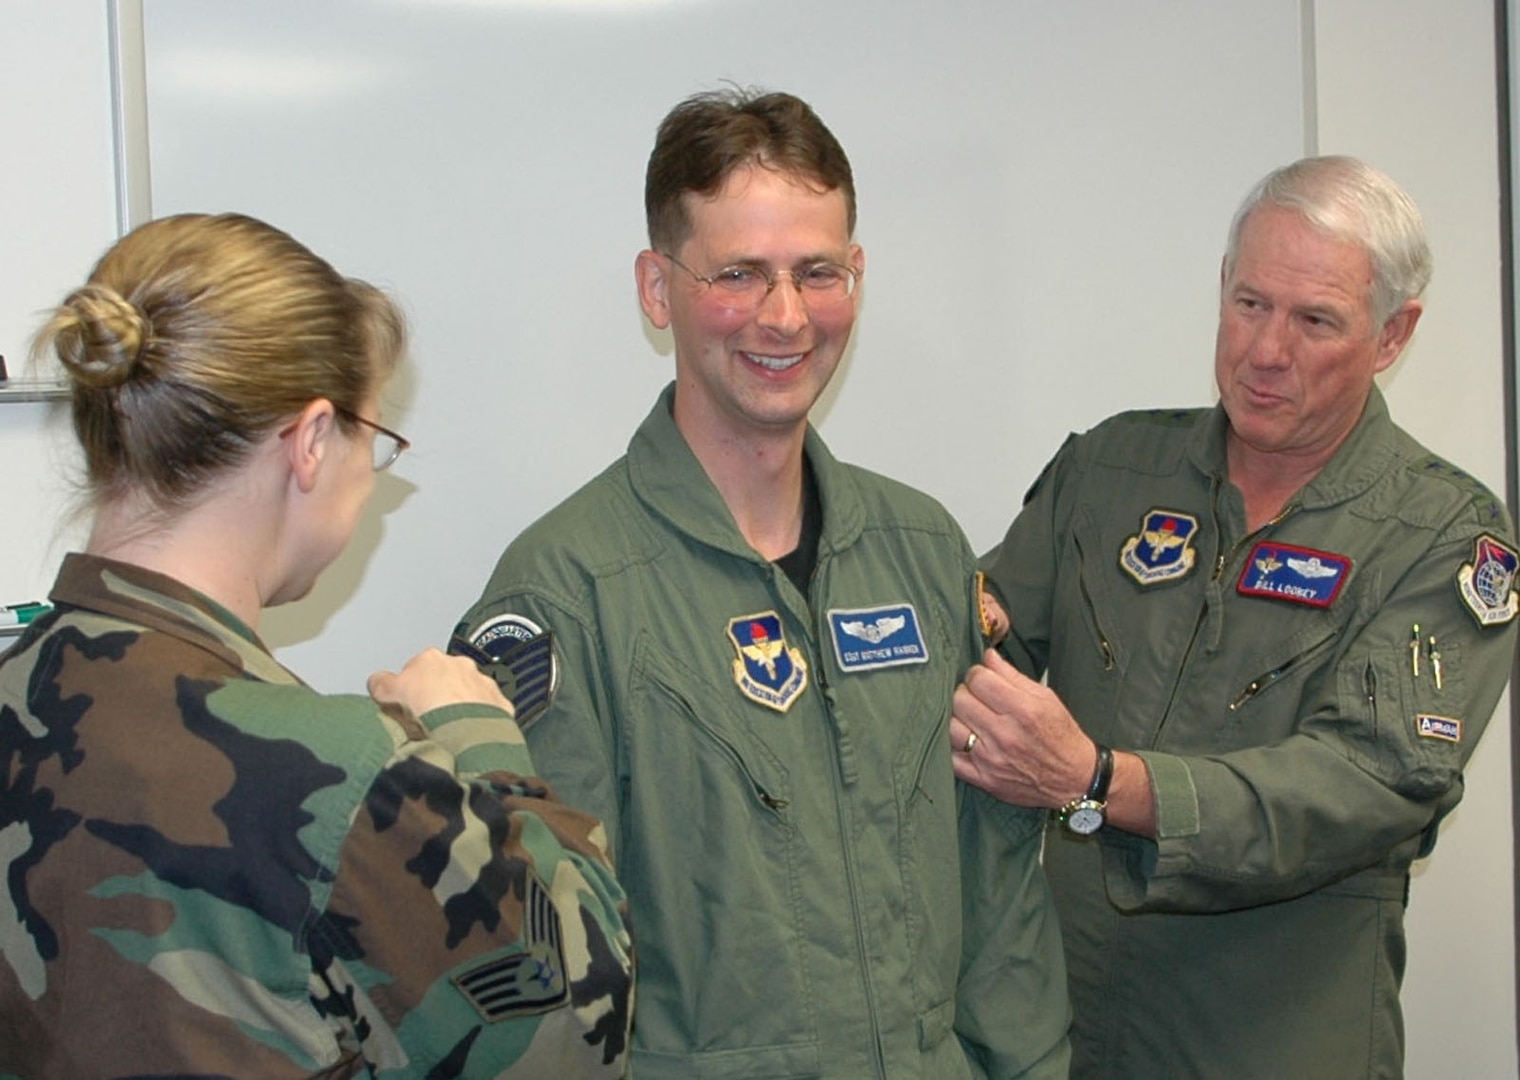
(1085, 818)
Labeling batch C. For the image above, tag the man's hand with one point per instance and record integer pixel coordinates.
(1028, 748)
(1030, 751)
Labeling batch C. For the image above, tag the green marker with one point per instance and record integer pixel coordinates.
(21, 614)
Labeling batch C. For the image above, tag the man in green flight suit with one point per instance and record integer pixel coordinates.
(1273, 632)
(755, 648)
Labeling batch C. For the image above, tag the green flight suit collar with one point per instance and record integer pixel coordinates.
(1366, 455)
(667, 477)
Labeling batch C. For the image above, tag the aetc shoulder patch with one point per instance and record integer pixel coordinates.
(1487, 584)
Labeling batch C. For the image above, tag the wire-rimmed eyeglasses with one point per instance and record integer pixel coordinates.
(388, 444)
(821, 284)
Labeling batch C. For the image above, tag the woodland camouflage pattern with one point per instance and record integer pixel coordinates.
(210, 869)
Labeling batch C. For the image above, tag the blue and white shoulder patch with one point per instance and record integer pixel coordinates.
(1487, 584)
(766, 670)
(1163, 548)
(877, 637)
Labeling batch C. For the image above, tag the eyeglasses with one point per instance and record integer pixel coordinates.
(388, 445)
(821, 284)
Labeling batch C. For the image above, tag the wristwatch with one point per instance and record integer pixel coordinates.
(1084, 814)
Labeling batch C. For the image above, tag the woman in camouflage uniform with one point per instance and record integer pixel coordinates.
(210, 868)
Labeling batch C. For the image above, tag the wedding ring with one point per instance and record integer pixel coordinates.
(971, 741)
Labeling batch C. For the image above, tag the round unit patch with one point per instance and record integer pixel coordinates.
(522, 661)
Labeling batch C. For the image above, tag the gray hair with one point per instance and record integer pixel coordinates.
(1350, 200)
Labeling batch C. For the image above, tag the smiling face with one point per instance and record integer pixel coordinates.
(744, 372)
(1297, 349)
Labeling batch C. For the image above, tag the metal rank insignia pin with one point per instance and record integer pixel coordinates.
(1487, 584)
(767, 670)
(1163, 548)
(992, 617)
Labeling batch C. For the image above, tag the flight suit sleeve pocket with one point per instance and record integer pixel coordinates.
(1417, 715)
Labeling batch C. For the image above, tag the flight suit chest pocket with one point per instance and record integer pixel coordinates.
(1090, 627)
(1263, 695)
(711, 861)
(678, 717)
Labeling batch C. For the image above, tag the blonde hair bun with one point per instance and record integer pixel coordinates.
(100, 336)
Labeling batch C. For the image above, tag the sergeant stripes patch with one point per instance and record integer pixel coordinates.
(531, 978)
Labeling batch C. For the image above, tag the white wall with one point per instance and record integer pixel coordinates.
(57, 214)
(1410, 86)
(1044, 191)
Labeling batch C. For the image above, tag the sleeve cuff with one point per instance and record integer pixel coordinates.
(482, 738)
(1176, 796)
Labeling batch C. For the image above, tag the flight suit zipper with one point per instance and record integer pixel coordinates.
(817, 665)
(1262, 682)
(1222, 560)
(1105, 650)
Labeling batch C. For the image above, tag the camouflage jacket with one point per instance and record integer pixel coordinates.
(212, 869)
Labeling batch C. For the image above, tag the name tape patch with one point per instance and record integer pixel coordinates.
(877, 637)
(1298, 575)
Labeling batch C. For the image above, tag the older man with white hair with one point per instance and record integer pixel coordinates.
(1272, 633)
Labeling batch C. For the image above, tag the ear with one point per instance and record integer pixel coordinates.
(308, 441)
(855, 259)
(652, 274)
(1396, 333)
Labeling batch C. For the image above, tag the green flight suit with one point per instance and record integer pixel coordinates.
(774, 770)
(1299, 764)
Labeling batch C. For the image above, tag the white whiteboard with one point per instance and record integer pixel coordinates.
(1043, 192)
(57, 214)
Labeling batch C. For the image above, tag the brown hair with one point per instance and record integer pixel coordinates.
(195, 336)
(706, 137)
